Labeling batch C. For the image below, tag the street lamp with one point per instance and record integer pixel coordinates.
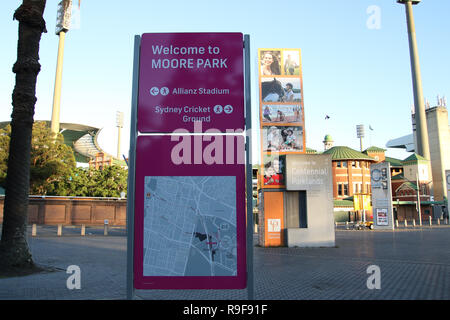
(422, 145)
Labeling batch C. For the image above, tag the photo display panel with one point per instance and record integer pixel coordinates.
(282, 116)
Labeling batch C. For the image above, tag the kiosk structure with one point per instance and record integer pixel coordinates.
(296, 198)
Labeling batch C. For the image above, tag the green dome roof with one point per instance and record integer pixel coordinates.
(394, 162)
(374, 149)
(414, 158)
(346, 153)
(327, 138)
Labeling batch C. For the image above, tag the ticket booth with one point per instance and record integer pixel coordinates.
(300, 214)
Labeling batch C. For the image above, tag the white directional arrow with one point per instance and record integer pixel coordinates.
(154, 91)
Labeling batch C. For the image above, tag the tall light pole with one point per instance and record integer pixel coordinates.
(360, 135)
(422, 146)
(119, 124)
(62, 26)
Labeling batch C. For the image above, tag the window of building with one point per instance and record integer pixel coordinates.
(344, 164)
(338, 164)
(345, 189)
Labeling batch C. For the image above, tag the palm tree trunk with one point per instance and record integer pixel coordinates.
(14, 251)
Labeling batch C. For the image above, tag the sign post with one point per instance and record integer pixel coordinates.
(447, 179)
(188, 229)
(380, 179)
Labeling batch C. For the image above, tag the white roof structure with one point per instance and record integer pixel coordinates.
(405, 142)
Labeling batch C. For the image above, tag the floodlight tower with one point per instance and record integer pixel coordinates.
(62, 26)
(360, 135)
(119, 124)
(422, 146)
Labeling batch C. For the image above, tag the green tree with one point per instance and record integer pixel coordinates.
(76, 183)
(109, 182)
(14, 251)
(51, 160)
(5, 137)
(84, 182)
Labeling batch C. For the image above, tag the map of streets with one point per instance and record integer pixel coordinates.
(190, 226)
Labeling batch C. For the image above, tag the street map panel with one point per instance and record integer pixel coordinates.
(190, 226)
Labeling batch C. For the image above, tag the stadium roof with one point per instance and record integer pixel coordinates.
(81, 138)
(405, 142)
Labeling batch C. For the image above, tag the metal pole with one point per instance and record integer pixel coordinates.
(249, 175)
(423, 148)
(118, 142)
(58, 81)
(119, 123)
(419, 211)
(131, 171)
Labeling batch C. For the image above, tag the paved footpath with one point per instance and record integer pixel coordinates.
(414, 264)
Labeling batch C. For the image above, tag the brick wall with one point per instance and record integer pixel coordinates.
(74, 210)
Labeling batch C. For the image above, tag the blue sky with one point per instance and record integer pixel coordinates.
(352, 73)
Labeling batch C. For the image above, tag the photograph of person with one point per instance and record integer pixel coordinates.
(273, 139)
(291, 62)
(270, 63)
(283, 139)
(286, 114)
(288, 93)
(279, 89)
(273, 170)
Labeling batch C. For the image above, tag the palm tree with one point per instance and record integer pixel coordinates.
(14, 251)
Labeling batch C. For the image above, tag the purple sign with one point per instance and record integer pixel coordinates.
(191, 77)
(189, 213)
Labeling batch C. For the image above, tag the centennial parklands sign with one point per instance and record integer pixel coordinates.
(189, 170)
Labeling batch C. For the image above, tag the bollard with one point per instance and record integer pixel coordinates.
(59, 233)
(33, 230)
(83, 230)
(429, 218)
(396, 223)
(105, 228)
(346, 225)
(414, 222)
(438, 222)
(406, 223)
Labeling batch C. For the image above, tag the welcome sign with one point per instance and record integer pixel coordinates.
(191, 77)
(189, 197)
